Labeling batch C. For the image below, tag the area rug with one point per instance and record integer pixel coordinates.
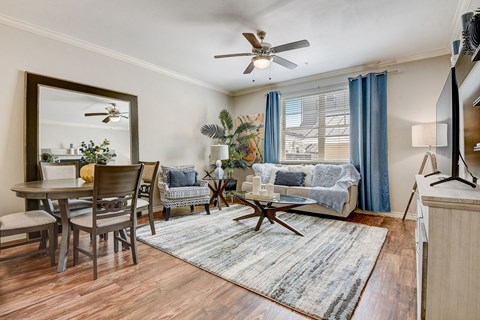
(321, 275)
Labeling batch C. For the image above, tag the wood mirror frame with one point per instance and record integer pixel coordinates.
(34, 81)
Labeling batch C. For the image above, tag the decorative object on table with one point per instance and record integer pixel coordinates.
(256, 143)
(427, 135)
(270, 189)
(218, 153)
(188, 195)
(256, 183)
(236, 140)
(48, 157)
(72, 150)
(321, 275)
(94, 154)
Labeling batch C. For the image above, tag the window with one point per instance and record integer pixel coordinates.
(316, 127)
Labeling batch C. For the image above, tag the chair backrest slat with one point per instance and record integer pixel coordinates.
(115, 190)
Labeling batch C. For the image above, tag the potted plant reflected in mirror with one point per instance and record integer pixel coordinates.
(236, 139)
(48, 157)
(94, 154)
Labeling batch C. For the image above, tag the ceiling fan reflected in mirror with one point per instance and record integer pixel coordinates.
(113, 114)
(263, 53)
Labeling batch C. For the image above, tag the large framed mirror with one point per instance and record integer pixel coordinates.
(61, 114)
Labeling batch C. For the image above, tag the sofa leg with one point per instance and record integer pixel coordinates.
(192, 207)
(167, 213)
(207, 208)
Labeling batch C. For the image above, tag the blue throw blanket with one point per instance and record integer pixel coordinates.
(336, 196)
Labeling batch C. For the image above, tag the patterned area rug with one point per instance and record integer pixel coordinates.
(321, 275)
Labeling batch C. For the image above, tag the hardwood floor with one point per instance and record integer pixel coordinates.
(163, 287)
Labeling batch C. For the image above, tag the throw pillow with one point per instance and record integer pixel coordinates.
(182, 178)
(273, 173)
(165, 176)
(263, 170)
(326, 175)
(291, 179)
(307, 169)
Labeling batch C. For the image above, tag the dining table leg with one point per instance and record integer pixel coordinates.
(65, 242)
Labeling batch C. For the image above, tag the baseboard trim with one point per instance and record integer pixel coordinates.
(392, 214)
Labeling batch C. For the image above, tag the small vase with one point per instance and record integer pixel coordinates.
(87, 172)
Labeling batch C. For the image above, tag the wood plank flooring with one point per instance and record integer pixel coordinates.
(163, 287)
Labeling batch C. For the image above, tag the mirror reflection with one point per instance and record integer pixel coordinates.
(66, 118)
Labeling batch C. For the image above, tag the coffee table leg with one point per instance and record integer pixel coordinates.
(271, 221)
(63, 256)
(248, 216)
(286, 226)
(260, 221)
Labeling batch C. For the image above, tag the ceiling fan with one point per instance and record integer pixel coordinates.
(264, 53)
(113, 114)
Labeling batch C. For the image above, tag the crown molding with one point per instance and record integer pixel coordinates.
(47, 33)
(347, 71)
(84, 125)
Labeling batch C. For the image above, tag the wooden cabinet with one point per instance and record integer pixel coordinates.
(448, 250)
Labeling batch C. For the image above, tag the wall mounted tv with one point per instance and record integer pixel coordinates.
(448, 111)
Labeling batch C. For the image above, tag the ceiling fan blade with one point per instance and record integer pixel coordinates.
(106, 120)
(249, 69)
(232, 55)
(110, 109)
(284, 62)
(96, 114)
(253, 40)
(291, 46)
(124, 117)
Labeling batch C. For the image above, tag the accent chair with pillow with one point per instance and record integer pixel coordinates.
(179, 187)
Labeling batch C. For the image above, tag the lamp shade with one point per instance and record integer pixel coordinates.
(219, 152)
(429, 134)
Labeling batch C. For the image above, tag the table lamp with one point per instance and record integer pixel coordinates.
(219, 152)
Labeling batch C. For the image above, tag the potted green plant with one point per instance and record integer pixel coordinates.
(94, 154)
(235, 138)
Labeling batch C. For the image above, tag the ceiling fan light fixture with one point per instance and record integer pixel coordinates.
(262, 61)
(115, 118)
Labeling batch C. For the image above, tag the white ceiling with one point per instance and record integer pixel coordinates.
(183, 36)
(69, 107)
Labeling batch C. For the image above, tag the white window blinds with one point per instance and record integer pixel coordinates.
(316, 127)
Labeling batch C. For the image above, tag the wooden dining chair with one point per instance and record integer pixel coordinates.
(147, 187)
(25, 222)
(115, 194)
(63, 170)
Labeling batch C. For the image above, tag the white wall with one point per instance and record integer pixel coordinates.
(412, 96)
(171, 111)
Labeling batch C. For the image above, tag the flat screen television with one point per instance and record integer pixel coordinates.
(448, 111)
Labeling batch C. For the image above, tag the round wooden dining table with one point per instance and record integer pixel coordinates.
(61, 190)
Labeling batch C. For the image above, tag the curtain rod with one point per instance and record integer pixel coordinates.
(326, 86)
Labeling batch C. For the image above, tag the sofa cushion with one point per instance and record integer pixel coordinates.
(326, 175)
(287, 178)
(307, 169)
(273, 173)
(183, 178)
(298, 191)
(263, 170)
(187, 192)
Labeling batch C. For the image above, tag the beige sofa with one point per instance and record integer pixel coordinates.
(348, 207)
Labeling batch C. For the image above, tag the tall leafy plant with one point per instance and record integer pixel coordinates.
(236, 139)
